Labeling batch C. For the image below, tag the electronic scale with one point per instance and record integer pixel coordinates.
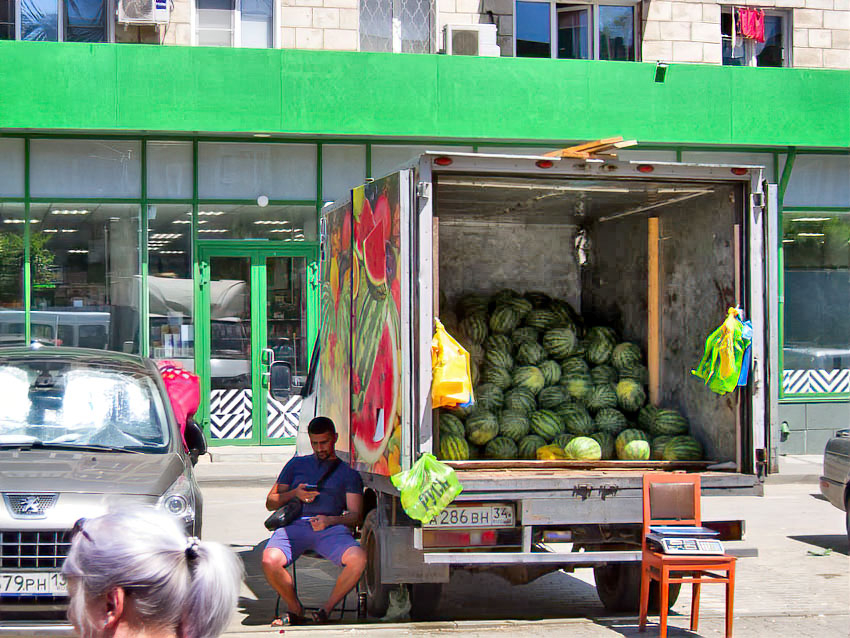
(684, 540)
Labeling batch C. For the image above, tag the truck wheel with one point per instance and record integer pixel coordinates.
(377, 594)
(847, 515)
(618, 587)
(424, 600)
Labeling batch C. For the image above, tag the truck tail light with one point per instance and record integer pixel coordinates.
(739, 171)
(443, 161)
(466, 538)
(646, 168)
(544, 163)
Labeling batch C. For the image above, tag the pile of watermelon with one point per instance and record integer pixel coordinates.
(546, 386)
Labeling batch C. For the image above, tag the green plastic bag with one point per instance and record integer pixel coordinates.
(720, 366)
(426, 488)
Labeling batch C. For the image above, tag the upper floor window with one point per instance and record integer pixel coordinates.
(239, 23)
(575, 31)
(55, 20)
(750, 52)
(396, 26)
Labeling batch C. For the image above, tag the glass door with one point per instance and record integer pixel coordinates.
(255, 306)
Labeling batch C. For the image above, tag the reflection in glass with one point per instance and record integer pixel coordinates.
(215, 22)
(85, 264)
(817, 293)
(170, 286)
(257, 22)
(573, 42)
(533, 33)
(376, 25)
(40, 20)
(291, 224)
(7, 20)
(616, 33)
(11, 274)
(769, 52)
(84, 21)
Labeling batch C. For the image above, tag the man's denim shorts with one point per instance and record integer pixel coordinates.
(297, 537)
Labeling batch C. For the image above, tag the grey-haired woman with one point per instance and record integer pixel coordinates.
(137, 574)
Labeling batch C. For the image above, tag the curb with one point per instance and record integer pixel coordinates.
(792, 479)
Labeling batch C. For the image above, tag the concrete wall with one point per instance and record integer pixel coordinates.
(811, 425)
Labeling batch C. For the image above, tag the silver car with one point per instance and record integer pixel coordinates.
(835, 482)
(81, 432)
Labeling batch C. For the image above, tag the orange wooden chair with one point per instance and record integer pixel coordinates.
(674, 499)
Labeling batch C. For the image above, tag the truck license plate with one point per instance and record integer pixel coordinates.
(32, 584)
(497, 515)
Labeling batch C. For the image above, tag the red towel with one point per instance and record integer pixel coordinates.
(752, 24)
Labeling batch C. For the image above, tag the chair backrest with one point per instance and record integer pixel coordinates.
(670, 498)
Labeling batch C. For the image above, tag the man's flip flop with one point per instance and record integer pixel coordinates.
(290, 620)
(320, 617)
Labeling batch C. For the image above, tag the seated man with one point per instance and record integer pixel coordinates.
(326, 517)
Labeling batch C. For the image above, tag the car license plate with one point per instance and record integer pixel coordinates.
(496, 515)
(32, 584)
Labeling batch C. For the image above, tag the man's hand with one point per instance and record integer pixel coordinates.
(320, 522)
(304, 495)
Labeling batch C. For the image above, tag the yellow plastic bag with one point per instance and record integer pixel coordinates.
(452, 383)
(723, 359)
(426, 488)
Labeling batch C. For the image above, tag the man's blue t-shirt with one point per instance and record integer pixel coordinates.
(331, 499)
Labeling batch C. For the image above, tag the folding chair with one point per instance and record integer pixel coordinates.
(674, 499)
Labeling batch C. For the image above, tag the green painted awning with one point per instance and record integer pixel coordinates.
(185, 90)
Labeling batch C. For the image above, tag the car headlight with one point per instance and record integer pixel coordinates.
(179, 500)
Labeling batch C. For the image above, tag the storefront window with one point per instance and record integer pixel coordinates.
(169, 170)
(85, 264)
(11, 274)
(816, 353)
(11, 167)
(170, 287)
(280, 223)
(246, 171)
(343, 168)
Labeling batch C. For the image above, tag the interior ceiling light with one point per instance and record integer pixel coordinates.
(810, 219)
(172, 252)
(78, 251)
(212, 230)
(280, 230)
(211, 213)
(69, 212)
(790, 241)
(810, 234)
(166, 236)
(19, 221)
(270, 222)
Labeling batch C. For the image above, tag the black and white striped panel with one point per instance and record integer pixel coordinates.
(815, 381)
(230, 414)
(282, 417)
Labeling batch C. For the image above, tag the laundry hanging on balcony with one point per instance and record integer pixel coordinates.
(751, 23)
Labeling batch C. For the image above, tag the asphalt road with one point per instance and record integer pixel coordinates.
(798, 585)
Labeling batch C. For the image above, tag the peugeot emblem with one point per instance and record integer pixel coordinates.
(29, 505)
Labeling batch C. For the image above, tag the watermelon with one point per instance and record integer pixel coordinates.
(606, 442)
(552, 397)
(454, 448)
(626, 355)
(474, 328)
(540, 319)
(528, 446)
(504, 319)
(611, 421)
(499, 342)
(538, 299)
(574, 365)
(474, 373)
(560, 342)
(524, 334)
(520, 400)
(472, 304)
(450, 425)
(498, 358)
(460, 412)
(476, 353)
(498, 377)
(551, 371)
(551, 452)
(578, 385)
(575, 418)
(630, 395)
(656, 446)
(522, 306)
(529, 354)
(506, 295)
(583, 448)
(565, 315)
(632, 445)
(603, 374)
(546, 423)
(601, 396)
(529, 377)
(562, 439)
(475, 451)
(599, 345)
(500, 447)
(513, 424)
(682, 448)
(646, 416)
(639, 373)
(668, 422)
(481, 426)
(489, 397)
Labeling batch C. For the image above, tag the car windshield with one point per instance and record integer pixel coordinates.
(68, 403)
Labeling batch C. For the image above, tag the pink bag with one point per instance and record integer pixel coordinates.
(184, 391)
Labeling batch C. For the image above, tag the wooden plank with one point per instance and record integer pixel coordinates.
(435, 301)
(588, 148)
(579, 465)
(653, 305)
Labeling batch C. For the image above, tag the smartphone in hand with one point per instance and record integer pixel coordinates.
(311, 487)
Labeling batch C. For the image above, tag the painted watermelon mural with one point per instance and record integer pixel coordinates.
(376, 333)
(337, 280)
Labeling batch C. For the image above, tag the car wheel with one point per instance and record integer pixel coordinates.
(618, 587)
(847, 514)
(377, 594)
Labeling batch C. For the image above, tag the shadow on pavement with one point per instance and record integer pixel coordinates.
(819, 497)
(628, 627)
(836, 542)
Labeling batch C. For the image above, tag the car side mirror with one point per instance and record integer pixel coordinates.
(280, 380)
(193, 436)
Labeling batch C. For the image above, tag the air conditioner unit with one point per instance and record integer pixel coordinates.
(143, 11)
(470, 39)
